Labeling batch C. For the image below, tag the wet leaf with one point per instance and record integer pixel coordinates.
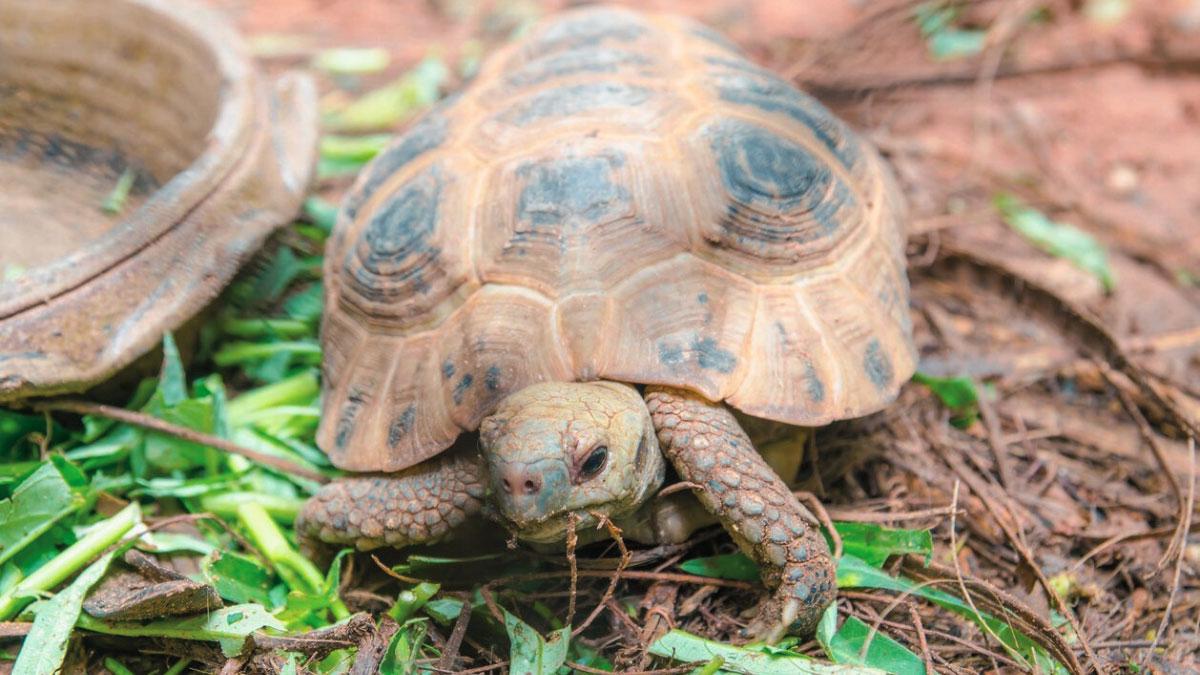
(1058, 239)
(529, 653)
(687, 648)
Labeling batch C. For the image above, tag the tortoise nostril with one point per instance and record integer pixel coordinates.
(532, 485)
(507, 486)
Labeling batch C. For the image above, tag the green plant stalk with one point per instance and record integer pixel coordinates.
(254, 328)
(410, 601)
(296, 570)
(70, 561)
(298, 389)
(178, 667)
(115, 201)
(226, 504)
(712, 666)
(241, 352)
(116, 667)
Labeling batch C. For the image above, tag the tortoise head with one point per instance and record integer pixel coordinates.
(557, 448)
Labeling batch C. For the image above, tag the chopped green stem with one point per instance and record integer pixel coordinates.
(70, 561)
(115, 201)
(296, 570)
(178, 667)
(226, 504)
(116, 667)
(241, 352)
(252, 328)
(298, 389)
(712, 666)
(410, 601)
(288, 411)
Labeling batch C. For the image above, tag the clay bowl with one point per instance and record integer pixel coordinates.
(163, 93)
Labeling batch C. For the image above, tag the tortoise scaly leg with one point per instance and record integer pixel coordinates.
(416, 506)
(708, 448)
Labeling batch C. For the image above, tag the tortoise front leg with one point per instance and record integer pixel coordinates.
(417, 506)
(708, 447)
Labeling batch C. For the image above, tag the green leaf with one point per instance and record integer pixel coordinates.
(410, 601)
(680, 646)
(1058, 239)
(529, 653)
(239, 578)
(959, 394)
(444, 610)
(875, 543)
(229, 625)
(37, 503)
(172, 384)
(351, 60)
(846, 647)
(14, 427)
(1107, 12)
(355, 149)
(853, 572)
(46, 645)
(404, 648)
(322, 212)
(727, 566)
(393, 103)
(956, 43)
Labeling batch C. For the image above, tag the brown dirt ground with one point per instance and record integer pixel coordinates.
(1078, 470)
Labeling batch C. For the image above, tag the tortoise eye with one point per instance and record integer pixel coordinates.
(595, 462)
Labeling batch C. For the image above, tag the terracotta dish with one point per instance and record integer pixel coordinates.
(158, 95)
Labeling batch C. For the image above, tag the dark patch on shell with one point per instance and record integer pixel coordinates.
(401, 425)
(460, 389)
(877, 365)
(574, 99)
(584, 60)
(426, 135)
(395, 248)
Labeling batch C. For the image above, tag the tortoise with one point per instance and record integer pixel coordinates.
(162, 96)
(618, 234)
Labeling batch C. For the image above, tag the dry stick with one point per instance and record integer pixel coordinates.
(1010, 533)
(1183, 530)
(615, 533)
(393, 573)
(572, 542)
(450, 651)
(996, 443)
(958, 577)
(810, 500)
(916, 619)
(857, 516)
(154, 424)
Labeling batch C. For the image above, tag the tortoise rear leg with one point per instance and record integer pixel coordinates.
(416, 506)
(708, 448)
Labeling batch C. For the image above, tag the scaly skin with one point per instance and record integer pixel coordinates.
(706, 445)
(417, 506)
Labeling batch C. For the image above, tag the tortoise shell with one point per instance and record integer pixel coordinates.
(618, 196)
